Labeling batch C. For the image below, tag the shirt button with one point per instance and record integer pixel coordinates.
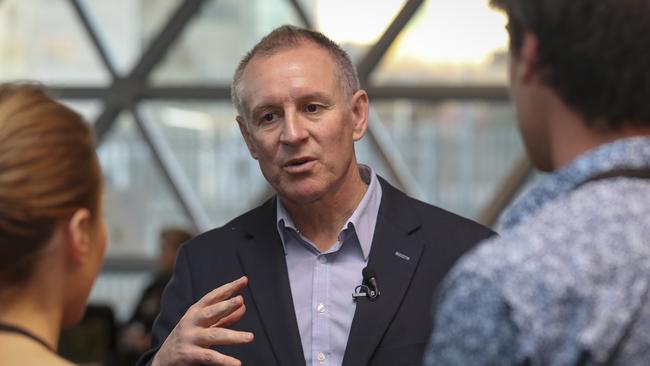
(321, 357)
(322, 259)
(321, 308)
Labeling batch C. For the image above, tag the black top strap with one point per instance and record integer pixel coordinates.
(4, 327)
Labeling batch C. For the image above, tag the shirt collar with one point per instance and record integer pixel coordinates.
(631, 152)
(362, 221)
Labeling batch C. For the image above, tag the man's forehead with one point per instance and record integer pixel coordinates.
(291, 74)
(303, 53)
(299, 47)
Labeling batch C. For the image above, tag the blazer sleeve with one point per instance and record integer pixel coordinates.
(176, 299)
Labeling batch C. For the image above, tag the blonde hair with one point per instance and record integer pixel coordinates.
(48, 169)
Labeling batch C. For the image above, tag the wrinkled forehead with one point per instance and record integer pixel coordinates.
(288, 74)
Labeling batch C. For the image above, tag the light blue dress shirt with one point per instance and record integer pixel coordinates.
(322, 283)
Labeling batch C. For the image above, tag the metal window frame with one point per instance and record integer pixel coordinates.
(126, 92)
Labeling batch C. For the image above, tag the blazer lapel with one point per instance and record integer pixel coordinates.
(263, 261)
(394, 256)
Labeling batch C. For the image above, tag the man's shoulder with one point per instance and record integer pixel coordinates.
(437, 220)
(222, 238)
(442, 216)
(555, 248)
(580, 224)
(450, 234)
(561, 261)
(434, 217)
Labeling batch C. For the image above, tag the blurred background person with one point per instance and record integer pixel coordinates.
(136, 335)
(568, 281)
(52, 229)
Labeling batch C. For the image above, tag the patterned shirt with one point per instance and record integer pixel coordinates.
(568, 281)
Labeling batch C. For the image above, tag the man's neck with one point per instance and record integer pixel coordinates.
(571, 137)
(321, 221)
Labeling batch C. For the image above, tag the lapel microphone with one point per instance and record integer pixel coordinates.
(369, 287)
(370, 279)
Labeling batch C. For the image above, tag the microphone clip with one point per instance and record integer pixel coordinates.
(368, 287)
(365, 291)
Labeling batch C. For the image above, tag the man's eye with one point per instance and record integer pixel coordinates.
(268, 117)
(312, 108)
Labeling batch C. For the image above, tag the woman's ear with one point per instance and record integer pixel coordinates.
(77, 235)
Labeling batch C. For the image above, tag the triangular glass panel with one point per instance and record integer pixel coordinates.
(448, 42)
(457, 151)
(89, 109)
(138, 201)
(341, 21)
(206, 141)
(354, 33)
(210, 48)
(43, 40)
(126, 27)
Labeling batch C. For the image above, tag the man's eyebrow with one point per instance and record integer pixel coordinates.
(315, 96)
(262, 107)
(302, 98)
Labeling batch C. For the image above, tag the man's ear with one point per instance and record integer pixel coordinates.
(243, 128)
(77, 235)
(528, 68)
(359, 106)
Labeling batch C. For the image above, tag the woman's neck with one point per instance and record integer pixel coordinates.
(36, 309)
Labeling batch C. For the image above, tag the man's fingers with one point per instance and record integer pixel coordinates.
(223, 292)
(207, 356)
(232, 318)
(213, 336)
(213, 313)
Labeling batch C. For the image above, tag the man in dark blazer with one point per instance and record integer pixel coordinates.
(300, 111)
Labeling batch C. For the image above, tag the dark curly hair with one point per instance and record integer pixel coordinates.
(594, 53)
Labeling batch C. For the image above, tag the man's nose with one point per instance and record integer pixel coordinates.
(294, 129)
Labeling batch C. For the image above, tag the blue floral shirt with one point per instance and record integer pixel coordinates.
(568, 280)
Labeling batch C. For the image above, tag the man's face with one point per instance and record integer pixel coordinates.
(299, 123)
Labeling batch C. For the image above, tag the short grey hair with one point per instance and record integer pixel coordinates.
(287, 37)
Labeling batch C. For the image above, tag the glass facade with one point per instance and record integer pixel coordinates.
(458, 150)
(461, 42)
(217, 38)
(43, 40)
(450, 151)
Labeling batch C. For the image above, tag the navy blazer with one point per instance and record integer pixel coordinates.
(392, 330)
